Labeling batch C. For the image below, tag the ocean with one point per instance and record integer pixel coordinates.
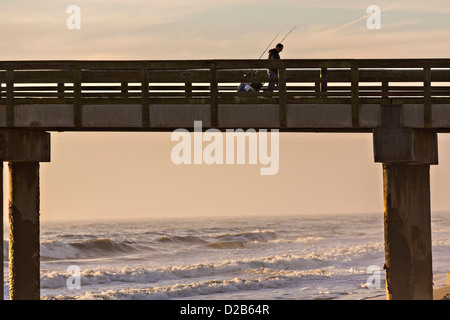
(281, 257)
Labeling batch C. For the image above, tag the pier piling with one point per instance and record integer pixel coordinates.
(24, 261)
(406, 155)
(24, 149)
(407, 232)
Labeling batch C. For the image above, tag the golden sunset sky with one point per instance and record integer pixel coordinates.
(131, 175)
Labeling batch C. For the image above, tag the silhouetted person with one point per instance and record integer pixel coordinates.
(274, 54)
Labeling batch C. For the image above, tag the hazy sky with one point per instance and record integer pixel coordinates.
(123, 175)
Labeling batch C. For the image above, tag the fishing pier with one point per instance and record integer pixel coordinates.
(404, 103)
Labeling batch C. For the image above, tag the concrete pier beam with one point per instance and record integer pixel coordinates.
(24, 259)
(406, 155)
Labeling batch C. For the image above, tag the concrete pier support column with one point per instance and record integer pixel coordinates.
(24, 258)
(24, 150)
(407, 230)
(406, 155)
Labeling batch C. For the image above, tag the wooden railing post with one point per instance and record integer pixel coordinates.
(214, 88)
(385, 90)
(355, 96)
(124, 90)
(317, 89)
(60, 90)
(77, 108)
(323, 82)
(282, 92)
(188, 89)
(145, 99)
(10, 98)
(427, 113)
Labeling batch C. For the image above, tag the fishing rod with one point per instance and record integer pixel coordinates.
(269, 45)
(251, 71)
(274, 40)
(288, 34)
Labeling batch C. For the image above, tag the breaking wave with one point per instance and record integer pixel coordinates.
(53, 250)
(56, 249)
(175, 282)
(285, 265)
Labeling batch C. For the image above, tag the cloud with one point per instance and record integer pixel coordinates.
(203, 29)
(362, 18)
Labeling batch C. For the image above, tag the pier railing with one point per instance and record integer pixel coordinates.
(215, 82)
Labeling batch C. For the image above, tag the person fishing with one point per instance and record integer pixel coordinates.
(248, 86)
(274, 54)
(272, 73)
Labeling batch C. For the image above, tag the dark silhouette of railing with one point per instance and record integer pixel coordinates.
(214, 82)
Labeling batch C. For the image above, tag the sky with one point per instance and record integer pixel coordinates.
(131, 175)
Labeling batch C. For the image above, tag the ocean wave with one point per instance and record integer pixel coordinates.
(221, 241)
(274, 265)
(250, 236)
(226, 245)
(180, 239)
(182, 290)
(169, 281)
(444, 242)
(239, 240)
(58, 250)
(103, 245)
(303, 239)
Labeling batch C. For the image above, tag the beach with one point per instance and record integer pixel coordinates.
(442, 291)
